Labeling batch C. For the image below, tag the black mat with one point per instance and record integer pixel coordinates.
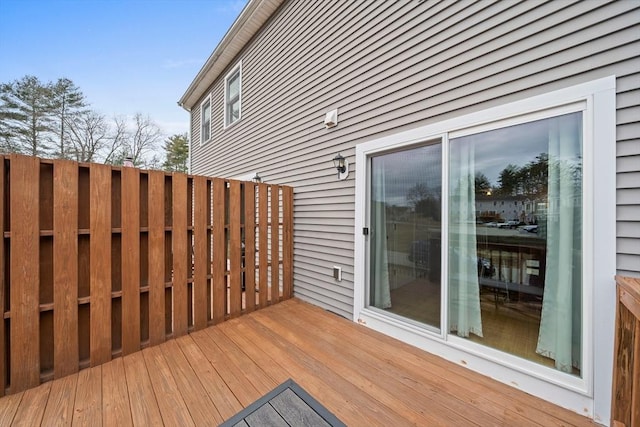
(286, 405)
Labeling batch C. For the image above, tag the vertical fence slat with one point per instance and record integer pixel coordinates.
(219, 285)
(250, 245)
(25, 276)
(3, 201)
(100, 263)
(179, 241)
(263, 206)
(157, 325)
(275, 244)
(130, 260)
(287, 242)
(201, 263)
(235, 250)
(65, 268)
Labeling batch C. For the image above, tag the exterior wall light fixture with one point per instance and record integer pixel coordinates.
(342, 166)
(257, 179)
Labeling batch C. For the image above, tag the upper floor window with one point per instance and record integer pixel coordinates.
(233, 95)
(205, 121)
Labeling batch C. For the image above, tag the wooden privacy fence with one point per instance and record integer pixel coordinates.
(101, 261)
(625, 406)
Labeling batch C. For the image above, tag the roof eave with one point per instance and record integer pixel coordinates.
(248, 23)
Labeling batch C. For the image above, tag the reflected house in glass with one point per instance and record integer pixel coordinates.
(513, 277)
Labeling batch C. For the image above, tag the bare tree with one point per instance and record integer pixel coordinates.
(144, 139)
(89, 135)
(114, 152)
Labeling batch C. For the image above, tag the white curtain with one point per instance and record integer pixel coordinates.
(380, 292)
(464, 291)
(560, 327)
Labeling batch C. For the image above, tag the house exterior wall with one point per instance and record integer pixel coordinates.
(394, 66)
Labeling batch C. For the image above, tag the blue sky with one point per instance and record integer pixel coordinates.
(127, 56)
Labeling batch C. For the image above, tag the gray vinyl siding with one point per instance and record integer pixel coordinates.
(392, 66)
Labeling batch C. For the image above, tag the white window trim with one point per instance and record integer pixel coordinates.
(590, 396)
(207, 99)
(236, 68)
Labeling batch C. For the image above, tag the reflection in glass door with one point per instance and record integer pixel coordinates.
(405, 239)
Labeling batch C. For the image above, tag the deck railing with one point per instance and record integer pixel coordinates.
(625, 407)
(101, 261)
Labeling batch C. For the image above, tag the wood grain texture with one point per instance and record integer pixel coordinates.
(130, 260)
(235, 250)
(201, 408)
(218, 279)
(287, 242)
(65, 268)
(100, 263)
(8, 408)
(295, 411)
(201, 261)
(116, 409)
(250, 245)
(61, 401)
(88, 401)
(242, 387)
(25, 276)
(625, 403)
(218, 391)
(275, 244)
(144, 407)
(181, 250)
(157, 267)
(263, 242)
(172, 407)
(32, 406)
(356, 373)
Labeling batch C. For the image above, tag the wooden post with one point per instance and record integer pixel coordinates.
(287, 242)
(181, 248)
(65, 268)
(235, 250)
(219, 285)
(201, 263)
(263, 206)
(130, 260)
(25, 276)
(157, 327)
(100, 265)
(250, 245)
(625, 405)
(275, 244)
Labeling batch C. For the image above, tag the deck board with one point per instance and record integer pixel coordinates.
(206, 377)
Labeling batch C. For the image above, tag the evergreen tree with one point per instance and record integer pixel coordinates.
(176, 149)
(67, 103)
(26, 116)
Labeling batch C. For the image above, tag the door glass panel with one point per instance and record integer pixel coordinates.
(515, 240)
(405, 235)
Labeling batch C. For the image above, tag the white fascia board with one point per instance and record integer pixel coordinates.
(248, 23)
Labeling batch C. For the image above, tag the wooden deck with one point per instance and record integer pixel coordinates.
(204, 378)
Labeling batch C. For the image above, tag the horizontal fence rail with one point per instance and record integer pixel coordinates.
(101, 261)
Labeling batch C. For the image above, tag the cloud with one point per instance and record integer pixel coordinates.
(181, 63)
(234, 6)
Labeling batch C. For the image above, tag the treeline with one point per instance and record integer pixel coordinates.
(53, 120)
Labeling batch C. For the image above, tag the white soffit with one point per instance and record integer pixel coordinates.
(248, 23)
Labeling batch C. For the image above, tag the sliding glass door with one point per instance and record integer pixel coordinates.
(514, 237)
(406, 230)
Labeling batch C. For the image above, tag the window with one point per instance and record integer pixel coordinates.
(233, 96)
(510, 292)
(205, 131)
